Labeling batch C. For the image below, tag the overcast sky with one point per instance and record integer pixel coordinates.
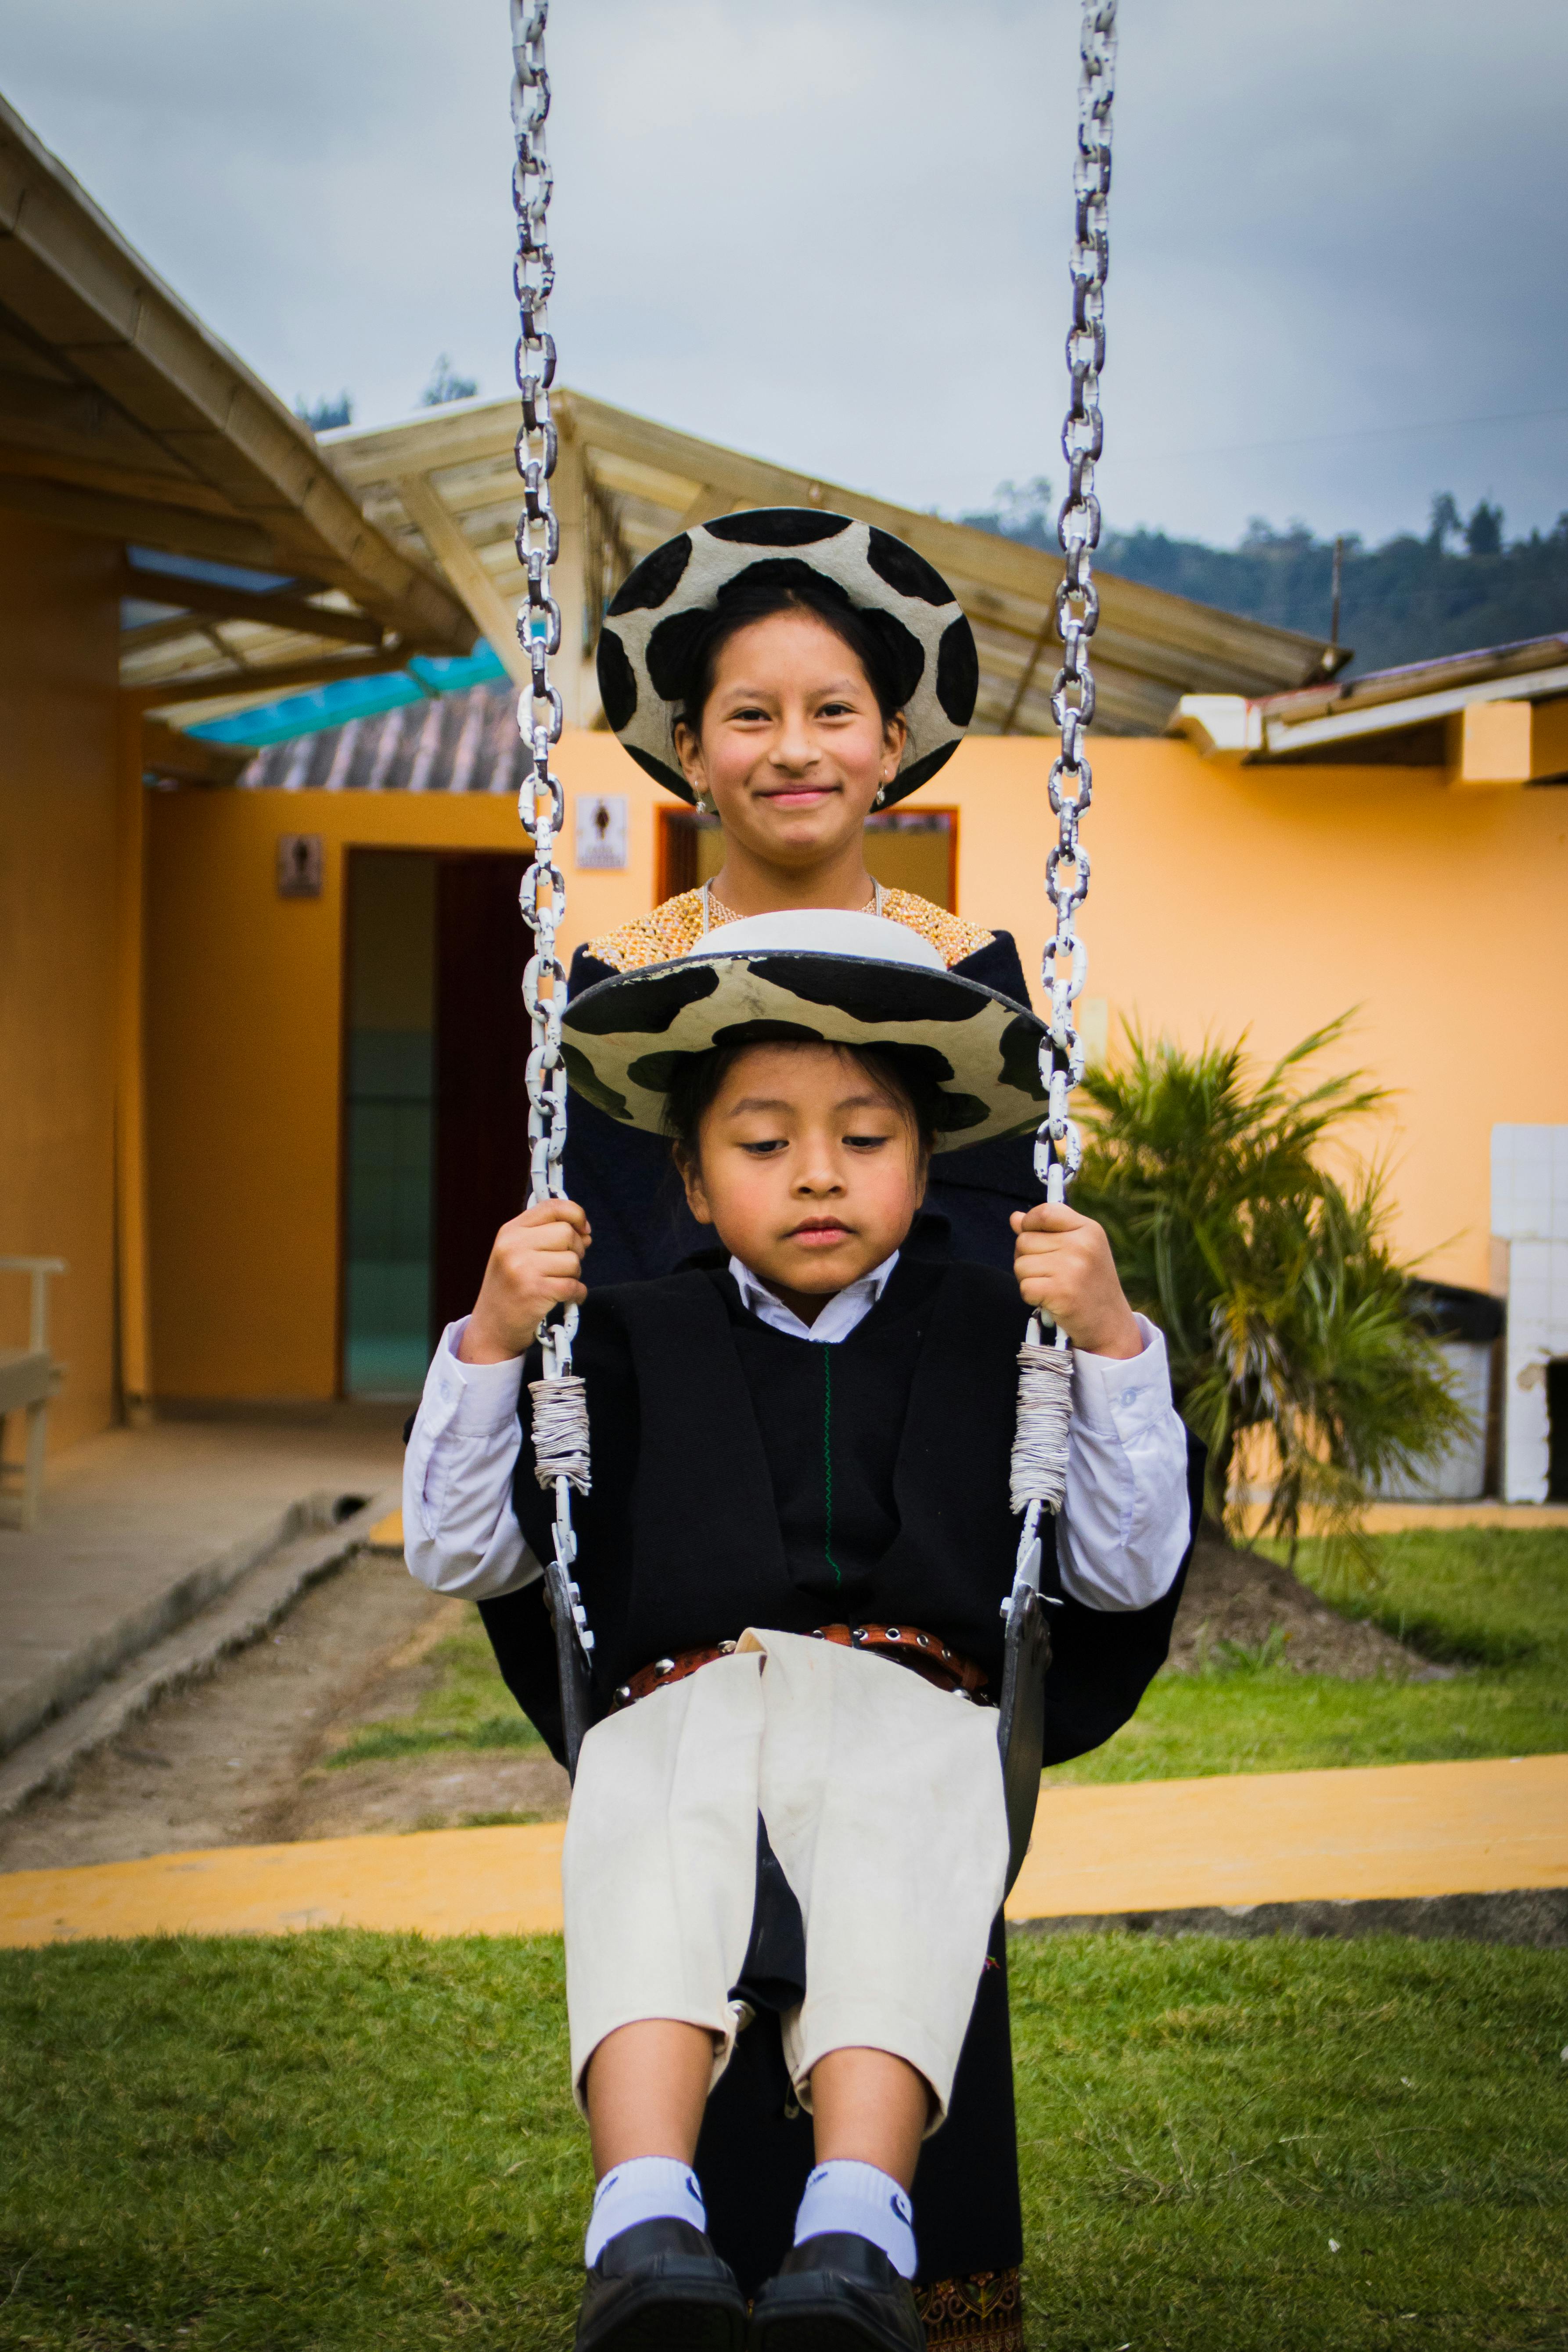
(834, 231)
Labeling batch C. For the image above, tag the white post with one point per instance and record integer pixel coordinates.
(1529, 1213)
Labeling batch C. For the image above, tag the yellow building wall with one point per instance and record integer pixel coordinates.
(60, 622)
(1271, 899)
(244, 1057)
(1223, 899)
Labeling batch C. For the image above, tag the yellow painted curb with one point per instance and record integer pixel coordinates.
(1392, 1830)
(387, 1534)
(490, 1882)
(1389, 1832)
(1392, 1518)
(1398, 1518)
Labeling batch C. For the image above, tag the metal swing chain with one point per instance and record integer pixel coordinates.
(1039, 1461)
(1058, 1150)
(561, 1444)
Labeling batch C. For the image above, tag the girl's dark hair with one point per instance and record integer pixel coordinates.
(784, 584)
(699, 1078)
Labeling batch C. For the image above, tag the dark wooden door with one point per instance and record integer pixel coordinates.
(481, 1061)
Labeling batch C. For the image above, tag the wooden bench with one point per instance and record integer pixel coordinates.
(29, 1378)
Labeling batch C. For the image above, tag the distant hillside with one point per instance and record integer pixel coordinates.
(1409, 600)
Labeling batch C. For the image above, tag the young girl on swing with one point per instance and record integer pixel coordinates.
(799, 1458)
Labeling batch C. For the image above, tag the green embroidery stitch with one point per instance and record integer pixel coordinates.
(828, 1461)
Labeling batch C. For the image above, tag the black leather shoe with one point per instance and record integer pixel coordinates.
(660, 2287)
(837, 2292)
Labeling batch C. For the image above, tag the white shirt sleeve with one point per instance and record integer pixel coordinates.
(1123, 1528)
(460, 1533)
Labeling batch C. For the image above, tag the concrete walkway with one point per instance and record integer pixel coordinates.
(1398, 1834)
(142, 1529)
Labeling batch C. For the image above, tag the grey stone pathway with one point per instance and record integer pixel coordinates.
(142, 1530)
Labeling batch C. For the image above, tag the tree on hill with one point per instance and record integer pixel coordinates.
(447, 385)
(325, 415)
(1409, 600)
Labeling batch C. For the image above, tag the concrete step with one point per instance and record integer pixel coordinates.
(141, 1529)
(48, 1683)
(255, 1592)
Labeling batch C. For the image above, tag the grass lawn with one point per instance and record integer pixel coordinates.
(468, 1708)
(1490, 1602)
(365, 2142)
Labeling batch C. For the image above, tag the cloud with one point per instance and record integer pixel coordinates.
(835, 231)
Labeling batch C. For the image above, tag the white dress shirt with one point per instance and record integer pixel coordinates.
(1120, 1532)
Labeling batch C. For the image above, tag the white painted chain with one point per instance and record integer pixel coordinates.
(560, 1415)
(1059, 1149)
(1045, 1390)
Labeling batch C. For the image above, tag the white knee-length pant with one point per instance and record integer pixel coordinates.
(883, 1801)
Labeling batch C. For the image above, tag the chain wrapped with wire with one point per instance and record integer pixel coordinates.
(1039, 1460)
(561, 1418)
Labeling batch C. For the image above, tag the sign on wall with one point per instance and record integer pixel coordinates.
(299, 865)
(600, 830)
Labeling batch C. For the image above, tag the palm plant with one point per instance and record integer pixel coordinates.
(1284, 1309)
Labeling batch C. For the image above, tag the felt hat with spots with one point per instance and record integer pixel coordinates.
(816, 977)
(646, 640)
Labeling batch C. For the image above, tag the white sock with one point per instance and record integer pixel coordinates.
(843, 2195)
(644, 2188)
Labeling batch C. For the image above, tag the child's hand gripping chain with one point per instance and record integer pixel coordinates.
(536, 1263)
(1065, 1268)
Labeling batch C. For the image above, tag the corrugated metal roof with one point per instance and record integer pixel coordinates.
(464, 742)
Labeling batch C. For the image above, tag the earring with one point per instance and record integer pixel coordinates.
(703, 804)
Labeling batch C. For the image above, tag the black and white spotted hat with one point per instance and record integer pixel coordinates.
(645, 642)
(819, 977)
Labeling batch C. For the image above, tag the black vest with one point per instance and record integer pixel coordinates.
(710, 1510)
(744, 1477)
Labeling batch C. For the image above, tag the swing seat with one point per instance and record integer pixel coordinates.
(1021, 1732)
(1021, 1715)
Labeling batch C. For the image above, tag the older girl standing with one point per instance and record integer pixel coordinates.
(791, 671)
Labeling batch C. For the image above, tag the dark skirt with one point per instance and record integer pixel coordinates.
(756, 2150)
(756, 2145)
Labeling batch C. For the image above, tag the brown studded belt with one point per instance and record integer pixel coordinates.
(906, 1645)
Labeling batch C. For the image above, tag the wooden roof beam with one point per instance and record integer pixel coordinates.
(191, 759)
(262, 682)
(664, 480)
(73, 281)
(959, 551)
(276, 608)
(77, 419)
(433, 443)
(459, 558)
(221, 539)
